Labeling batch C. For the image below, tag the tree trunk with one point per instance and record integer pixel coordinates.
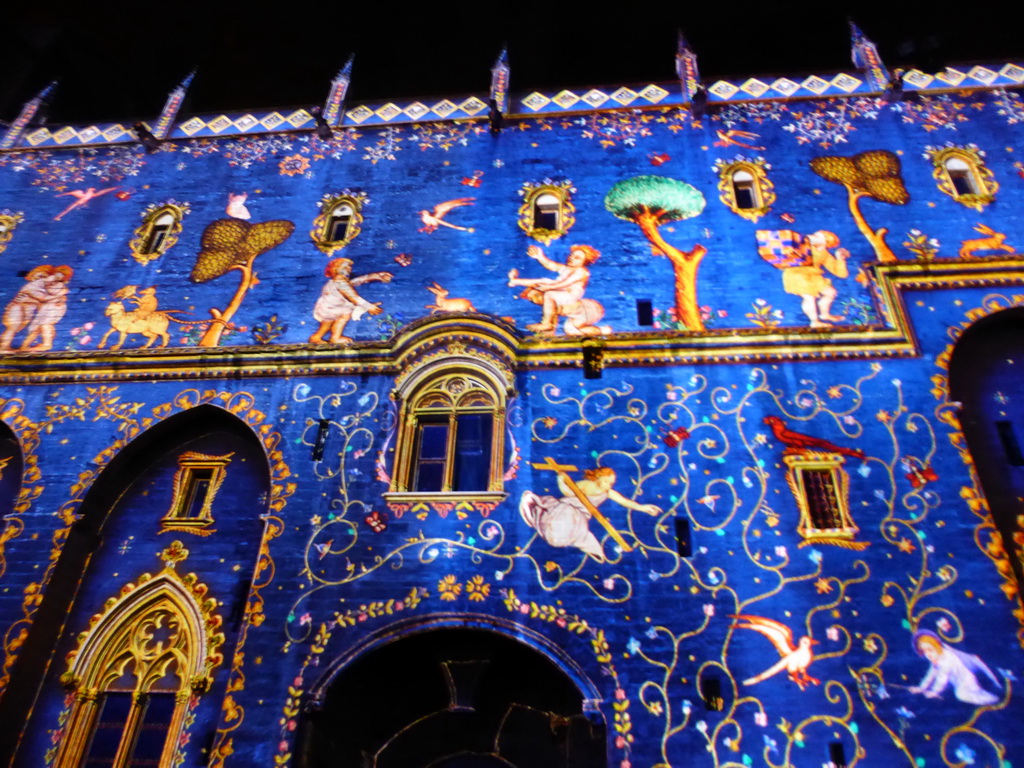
(874, 236)
(221, 319)
(684, 264)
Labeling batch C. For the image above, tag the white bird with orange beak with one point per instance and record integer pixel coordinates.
(795, 658)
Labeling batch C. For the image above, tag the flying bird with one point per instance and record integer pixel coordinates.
(434, 219)
(82, 197)
(795, 658)
(796, 442)
(726, 138)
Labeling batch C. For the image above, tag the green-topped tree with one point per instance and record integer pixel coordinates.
(649, 202)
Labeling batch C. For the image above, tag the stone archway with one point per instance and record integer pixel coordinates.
(452, 698)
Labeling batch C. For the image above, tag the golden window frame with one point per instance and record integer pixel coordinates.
(321, 231)
(763, 188)
(566, 211)
(983, 180)
(449, 385)
(8, 223)
(144, 234)
(832, 464)
(176, 518)
(120, 638)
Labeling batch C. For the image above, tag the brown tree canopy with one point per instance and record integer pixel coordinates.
(228, 243)
(875, 173)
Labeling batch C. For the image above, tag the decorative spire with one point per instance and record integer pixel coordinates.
(686, 68)
(334, 107)
(865, 57)
(499, 82)
(171, 107)
(28, 111)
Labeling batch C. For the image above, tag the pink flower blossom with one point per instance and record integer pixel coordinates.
(709, 609)
(620, 694)
(761, 719)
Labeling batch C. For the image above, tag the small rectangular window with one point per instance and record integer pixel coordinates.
(837, 754)
(338, 230)
(195, 486)
(1011, 446)
(683, 546)
(962, 181)
(644, 312)
(711, 692)
(432, 454)
(461, 464)
(157, 237)
(745, 195)
(822, 501)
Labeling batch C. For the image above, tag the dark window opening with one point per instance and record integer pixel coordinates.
(644, 312)
(822, 501)
(711, 692)
(745, 198)
(683, 546)
(157, 238)
(836, 754)
(337, 228)
(1011, 446)
(198, 481)
(446, 464)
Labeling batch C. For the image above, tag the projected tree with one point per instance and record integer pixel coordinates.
(229, 244)
(874, 174)
(649, 202)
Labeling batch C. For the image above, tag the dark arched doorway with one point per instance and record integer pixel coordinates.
(986, 375)
(452, 698)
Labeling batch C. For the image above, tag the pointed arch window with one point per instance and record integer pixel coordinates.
(744, 186)
(137, 668)
(547, 212)
(451, 437)
(962, 174)
(339, 222)
(160, 230)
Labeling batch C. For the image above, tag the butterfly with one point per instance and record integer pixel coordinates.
(474, 181)
(657, 159)
(377, 521)
(404, 259)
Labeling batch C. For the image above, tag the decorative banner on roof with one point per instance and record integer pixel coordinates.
(865, 58)
(499, 82)
(27, 113)
(334, 110)
(686, 68)
(171, 107)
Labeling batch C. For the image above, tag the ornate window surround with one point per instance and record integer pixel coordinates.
(982, 180)
(761, 186)
(473, 382)
(168, 214)
(120, 640)
(322, 224)
(830, 465)
(532, 195)
(190, 465)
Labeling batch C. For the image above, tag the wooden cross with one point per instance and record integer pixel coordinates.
(562, 469)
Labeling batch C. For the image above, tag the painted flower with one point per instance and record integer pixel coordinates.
(709, 609)
(832, 633)
(449, 587)
(761, 718)
(293, 165)
(477, 589)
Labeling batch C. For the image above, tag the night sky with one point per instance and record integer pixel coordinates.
(117, 60)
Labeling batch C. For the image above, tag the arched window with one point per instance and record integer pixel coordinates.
(547, 212)
(161, 227)
(451, 437)
(961, 173)
(744, 186)
(745, 190)
(136, 669)
(339, 222)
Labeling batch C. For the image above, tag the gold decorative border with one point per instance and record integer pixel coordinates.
(149, 218)
(986, 535)
(764, 188)
(27, 433)
(974, 158)
(327, 206)
(189, 460)
(833, 463)
(8, 223)
(567, 211)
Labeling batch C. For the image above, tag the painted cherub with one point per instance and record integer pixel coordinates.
(339, 302)
(562, 296)
(951, 667)
(565, 522)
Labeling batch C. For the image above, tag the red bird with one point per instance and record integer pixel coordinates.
(796, 442)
